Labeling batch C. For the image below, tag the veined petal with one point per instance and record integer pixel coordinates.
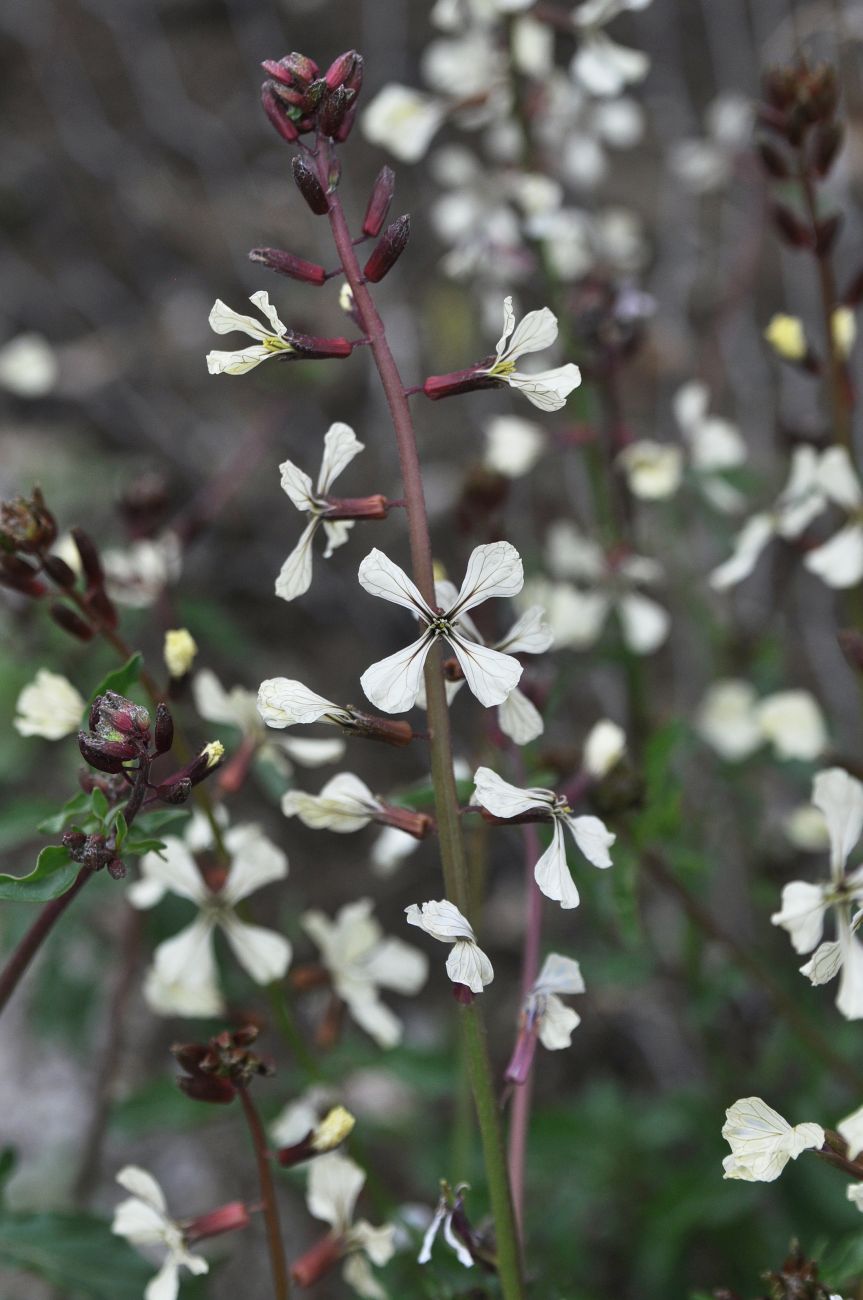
(519, 719)
(529, 635)
(261, 299)
(839, 562)
(256, 862)
(823, 966)
(237, 363)
(549, 389)
(645, 623)
(263, 953)
(441, 919)
(344, 804)
(504, 800)
(298, 485)
(557, 1023)
(534, 333)
(840, 798)
(494, 569)
(490, 675)
(801, 914)
(508, 327)
(393, 683)
(552, 874)
(224, 320)
(468, 964)
(282, 702)
(748, 545)
(341, 445)
(166, 1284)
(379, 576)
(559, 974)
(593, 838)
(295, 575)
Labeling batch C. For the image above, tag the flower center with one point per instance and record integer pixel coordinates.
(441, 626)
(501, 369)
(274, 344)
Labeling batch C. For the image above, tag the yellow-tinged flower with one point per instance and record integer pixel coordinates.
(179, 652)
(215, 752)
(787, 337)
(843, 327)
(333, 1129)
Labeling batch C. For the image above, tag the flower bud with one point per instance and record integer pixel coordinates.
(106, 755)
(174, 791)
(417, 824)
(779, 87)
(218, 1092)
(59, 571)
(388, 250)
(274, 259)
(458, 381)
(116, 869)
(28, 526)
(373, 507)
(73, 842)
(347, 123)
(772, 160)
(227, 1218)
(101, 604)
(310, 187)
(331, 113)
(332, 1131)
(113, 713)
(163, 737)
(278, 114)
(90, 563)
(292, 69)
(179, 651)
(17, 576)
(387, 730)
(71, 622)
(318, 1261)
(346, 70)
(379, 202)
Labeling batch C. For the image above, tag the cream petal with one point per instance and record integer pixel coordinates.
(398, 966)
(375, 1017)
(748, 545)
(490, 675)
(726, 719)
(849, 998)
(188, 956)
(548, 389)
(556, 1024)
(261, 299)
(824, 964)
(529, 635)
(534, 333)
(838, 479)
(282, 702)
(441, 919)
(166, 1284)
(716, 444)
(512, 445)
(298, 485)
(379, 576)
(264, 954)
(552, 874)
(593, 838)
(295, 575)
(559, 974)
(519, 719)
(310, 753)
(337, 532)
(604, 747)
(468, 964)
(690, 404)
(341, 445)
(605, 68)
(344, 804)
(645, 624)
(393, 684)
(139, 1222)
(224, 320)
(851, 1129)
(143, 1186)
(357, 1273)
(194, 993)
(239, 362)
(175, 869)
(793, 723)
(211, 699)
(839, 562)
(335, 1183)
(494, 569)
(390, 849)
(801, 914)
(508, 327)
(840, 798)
(256, 862)
(403, 120)
(504, 800)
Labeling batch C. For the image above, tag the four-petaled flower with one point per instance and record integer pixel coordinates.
(467, 963)
(361, 960)
(143, 1220)
(335, 1183)
(341, 445)
(393, 684)
(544, 1016)
(551, 871)
(183, 979)
(49, 706)
(537, 331)
(271, 342)
(762, 1142)
(840, 798)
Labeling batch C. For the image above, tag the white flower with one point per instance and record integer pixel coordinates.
(450, 1204)
(793, 723)
(49, 706)
(854, 1192)
(654, 470)
(467, 963)
(704, 164)
(604, 747)
(736, 723)
(512, 445)
(601, 65)
(804, 906)
(798, 503)
(345, 804)
(238, 708)
(143, 1220)
(335, 1183)
(271, 342)
(762, 1142)
(403, 120)
(393, 684)
(183, 979)
(806, 829)
(300, 1117)
(537, 331)
(839, 562)
(551, 871)
(361, 961)
(715, 446)
(851, 1129)
(543, 1010)
(179, 651)
(341, 445)
(138, 575)
(28, 366)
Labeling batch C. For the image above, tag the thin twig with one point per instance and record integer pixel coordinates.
(278, 1260)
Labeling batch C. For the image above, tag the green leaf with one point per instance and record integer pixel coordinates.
(8, 1165)
(120, 827)
(161, 820)
(120, 679)
(54, 873)
(135, 847)
(54, 824)
(100, 804)
(77, 1253)
(842, 1262)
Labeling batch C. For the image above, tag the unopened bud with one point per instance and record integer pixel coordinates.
(174, 792)
(71, 622)
(59, 571)
(278, 114)
(274, 259)
(106, 755)
(346, 70)
(347, 123)
(310, 187)
(790, 228)
(412, 823)
(90, 561)
(332, 1131)
(787, 337)
(21, 581)
(779, 87)
(163, 734)
(102, 606)
(218, 1092)
(379, 202)
(772, 160)
(116, 869)
(331, 113)
(458, 381)
(292, 69)
(388, 250)
(74, 842)
(227, 1218)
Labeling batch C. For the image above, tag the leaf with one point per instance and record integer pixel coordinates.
(77, 1253)
(133, 847)
(842, 1262)
(54, 824)
(161, 820)
(120, 679)
(54, 873)
(120, 827)
(8, 1165)
(100, 804)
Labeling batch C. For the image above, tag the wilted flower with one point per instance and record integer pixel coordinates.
(335, 1183)
(341, 445)
(347, 804)
(551, 871)
(393, 684)
(361, 961)
(450, 1216)
(736, 723)
(544, 1016)
(143, 1220)
(49, 706)
(762, 1142)
(804, 906)
(467, 963)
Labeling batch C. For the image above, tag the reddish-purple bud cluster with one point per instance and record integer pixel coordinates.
(298, 100)
(215, 1070)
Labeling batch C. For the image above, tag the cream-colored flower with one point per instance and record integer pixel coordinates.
(138, 575)
(547, 389)
(403, 120)
(787, 337)
(334, 1186)
(49, 706)
(143, 1220)
(179, 651)
(604, 747)
(467, 963)
(762, 1142)
(238, 707)
(512, 445)
(654, 470)
(28, 366)
(736, 723)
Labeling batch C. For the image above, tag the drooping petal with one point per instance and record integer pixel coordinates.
(494, 569)
(839, 562)
(393, 684)
(295, 575)
(552, 873)
(529, 635)
(559, 974)
(748, 545)
(824, 964)
(379, 576)
(762, 1142)
(504, 800)
(441, 919)
(282, 702)
(335, 1182)
(239, 362)
(166, 1284)
(256, 862)
(557, 1023)
(344, 804)
(534, 333)
(801, 914)
(174, 869)
(519, 719)
(840, 798)
(261, 299)
(468, 964)
(490, 675)
(548, 389)
(264, 954)
(593, 838)
(298, 485)
(645, 623)
(341, 445)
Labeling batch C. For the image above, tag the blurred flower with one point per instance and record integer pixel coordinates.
(580, 129)
(804, 906)
(49, 706)
(839, 562)
(301, 1116)
(736, 723)
(551, 871)
(271, 342)
(703, 165)
(393, 684)
(512, 445)
(179, 651)
(654, 470)
(715, 445)
(450, 1211)
(601, 65)
(604, 747)
(806, 829)
(137, 575)
(762, 1142)
(183, 979)
(575, 241)
(28, 366)
(345, 804)
(334, 1185)
(851, 1129)
(403, 120)
(341, 445)
(321, 1136)
(361, 961)
(143, 1220)
(787, 337)
(467, 963)
(843, 327)
(537, 331)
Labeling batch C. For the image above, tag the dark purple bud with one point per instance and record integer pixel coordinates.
(174, 792)
(790, 228)
(310, 187)
(71, 622)
(218, 1092)
(379, 202)
(292, 69)
(95, 712)
(164, 730)
(274, 259)
(278, 115)
(74, 842)
(101, 604)
(116, 869)
(90, 562)
(106, 755)
(347, 123)
(94, 852)
(59, 571)
(22, 582)
(388, 250)
(331, 113)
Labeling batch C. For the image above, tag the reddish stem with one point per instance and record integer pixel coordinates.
(521, 1103)
(35, 936)
(278, 1262)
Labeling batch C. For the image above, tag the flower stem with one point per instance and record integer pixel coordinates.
(35, 937)
(521, 1102)
(453, 861)
(278, 1261)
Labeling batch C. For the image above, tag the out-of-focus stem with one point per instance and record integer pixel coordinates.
(35, 937)
(278, 1262)
(455, 873)
(521, 1102)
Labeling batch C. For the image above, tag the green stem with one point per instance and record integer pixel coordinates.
(453, 861)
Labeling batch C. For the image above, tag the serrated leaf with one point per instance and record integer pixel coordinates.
(120, 679)
(54, 873)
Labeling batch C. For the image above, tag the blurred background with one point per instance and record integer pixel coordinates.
(137, 171)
